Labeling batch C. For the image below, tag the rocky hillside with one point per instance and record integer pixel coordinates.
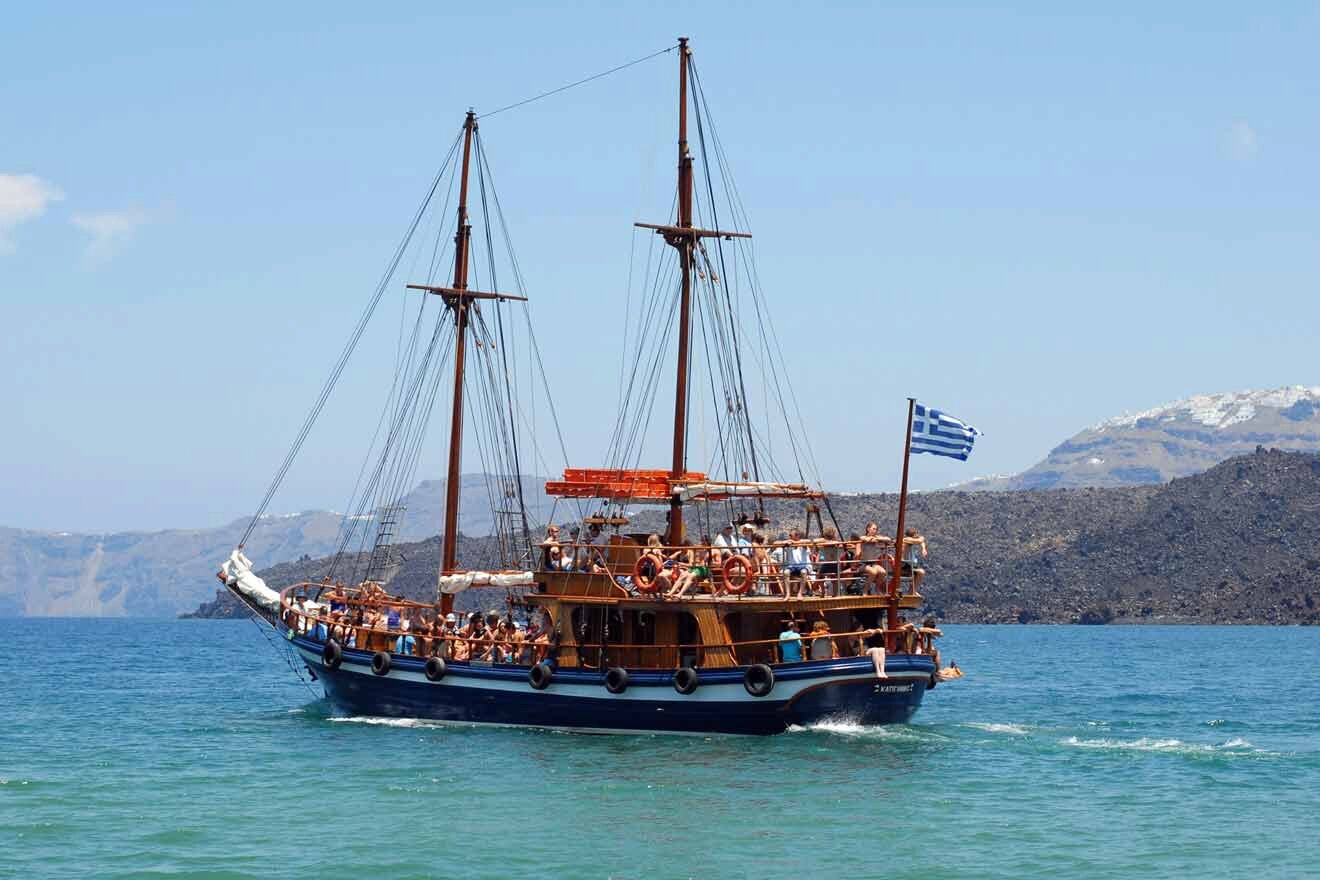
(1175, 440)
(1239, 543)
(160, 574)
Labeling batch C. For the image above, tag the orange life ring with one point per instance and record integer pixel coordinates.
(741, 583)
(646, 583)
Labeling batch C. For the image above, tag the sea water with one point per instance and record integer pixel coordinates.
(191, 749)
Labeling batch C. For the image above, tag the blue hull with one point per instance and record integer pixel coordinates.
(804, 693)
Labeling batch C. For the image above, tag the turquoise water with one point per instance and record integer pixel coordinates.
(189, 749)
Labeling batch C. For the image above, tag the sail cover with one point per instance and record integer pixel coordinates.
(457, 583)
(237, 570)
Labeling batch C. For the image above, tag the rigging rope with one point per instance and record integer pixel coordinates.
(578, 83)
(358, 329)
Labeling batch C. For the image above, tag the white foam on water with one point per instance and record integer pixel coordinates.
(389, 722)
(849, 728)
(991, 727)
(1236, 745)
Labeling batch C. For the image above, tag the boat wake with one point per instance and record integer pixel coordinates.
(990, 727)
(1234, 746)
(849, 728)
(416, 723)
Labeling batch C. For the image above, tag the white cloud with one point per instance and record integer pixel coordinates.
(23, 197)
(1242, 141)
(109, 229)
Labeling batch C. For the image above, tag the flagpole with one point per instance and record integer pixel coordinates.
(892, 621)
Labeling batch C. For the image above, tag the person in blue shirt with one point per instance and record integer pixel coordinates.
(405, 644)
(790, 644)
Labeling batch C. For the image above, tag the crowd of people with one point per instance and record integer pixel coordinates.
(374, 624)
(822, 644)
(791, 565)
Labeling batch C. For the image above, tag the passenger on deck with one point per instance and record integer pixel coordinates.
(421, 630)
(872, 544)
(392, 618)
(790, 644)
(765, 566)
(914, 550)
(850, 565)
(797, 563)
(554, 558)
(929, 632)
(520, 651)
(551, 552)
(907, 641)
(828, 553)
(575, 554)
(822, 643)
(446, 630)
(725, 538)
(690, 571)
(597, 540)
(746, 538)
(480, 639)
(873, 645)
(319, 630)
(406, 643)
(460, 648)
(335, 598)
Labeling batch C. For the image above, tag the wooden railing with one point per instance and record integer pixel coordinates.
(527, 651)
(619, 557)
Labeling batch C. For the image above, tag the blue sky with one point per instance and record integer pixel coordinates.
(1032, 217)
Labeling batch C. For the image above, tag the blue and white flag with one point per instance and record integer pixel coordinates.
(941, 434)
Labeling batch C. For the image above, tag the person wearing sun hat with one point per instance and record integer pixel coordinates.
(745, 532)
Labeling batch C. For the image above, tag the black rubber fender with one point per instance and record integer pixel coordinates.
(380, 663)
(539, 675)
(435, 669)
(332, 655)
(686, 680)
(616, 680)
(759, 680)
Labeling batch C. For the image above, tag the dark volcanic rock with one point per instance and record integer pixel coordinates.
(1239, 543)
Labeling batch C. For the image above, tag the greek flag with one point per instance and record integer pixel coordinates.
(941, 434)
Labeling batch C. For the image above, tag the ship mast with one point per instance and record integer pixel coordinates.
(683, 238)
(460, 300)
(685, 297)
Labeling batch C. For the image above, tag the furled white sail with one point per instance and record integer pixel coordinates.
(237, 570)
(712, 490)
(457, 583)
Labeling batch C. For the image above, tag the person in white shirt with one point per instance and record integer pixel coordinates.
(725, 538)
(797, 562)
(745, 532)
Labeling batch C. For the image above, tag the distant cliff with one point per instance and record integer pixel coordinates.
(1174, 440)
(1237, 544)
(160, 574)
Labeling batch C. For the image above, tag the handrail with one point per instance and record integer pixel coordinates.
(924, 634)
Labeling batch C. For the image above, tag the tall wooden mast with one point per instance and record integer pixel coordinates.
(685, 248)
(462, 237)
(683, 237)
(460, 300)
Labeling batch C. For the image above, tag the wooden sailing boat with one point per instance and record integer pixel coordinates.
(634, 631)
